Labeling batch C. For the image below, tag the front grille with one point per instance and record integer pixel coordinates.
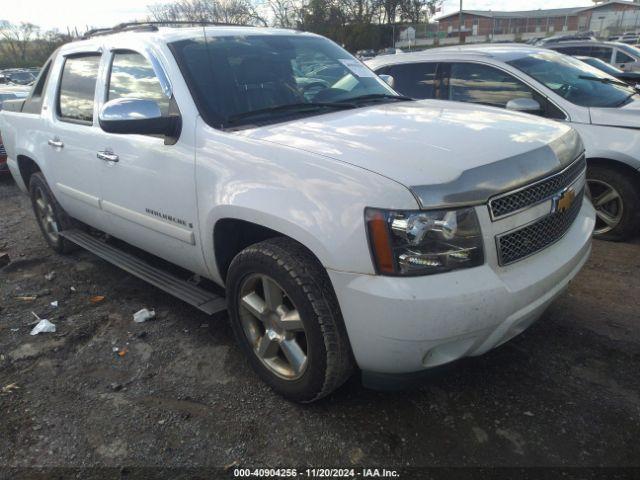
(3, 152)
(530, 195)
(521, 243)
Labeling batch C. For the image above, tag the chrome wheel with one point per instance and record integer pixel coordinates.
(272, 324)
(608, 204)
(46, 217)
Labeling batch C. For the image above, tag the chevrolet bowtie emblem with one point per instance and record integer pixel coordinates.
(563, 200)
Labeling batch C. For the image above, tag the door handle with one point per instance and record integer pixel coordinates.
(108, 156)
(55, 143)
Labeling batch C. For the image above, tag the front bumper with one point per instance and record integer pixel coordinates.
(403, 325)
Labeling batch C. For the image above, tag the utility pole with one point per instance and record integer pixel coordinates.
(461, 21)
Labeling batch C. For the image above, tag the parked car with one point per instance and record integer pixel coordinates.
(582, 37)
(631, 78)
(8, 93)
(349, 229)
(602, 109)
(534, 40)
(390, 51)
(19, 77)
(363, 55)
(625, 57)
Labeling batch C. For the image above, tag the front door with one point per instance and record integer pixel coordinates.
(148, 187)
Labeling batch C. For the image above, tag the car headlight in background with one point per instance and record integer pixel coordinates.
(424, 242)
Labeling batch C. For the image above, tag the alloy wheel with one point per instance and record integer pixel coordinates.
(46, 216)
(608, 204)
(272, 324)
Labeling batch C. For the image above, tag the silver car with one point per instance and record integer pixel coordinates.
(625, 57)
(604, 110)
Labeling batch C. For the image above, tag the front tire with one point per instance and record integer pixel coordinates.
(616, 199)
(51, 217)
(286, 318)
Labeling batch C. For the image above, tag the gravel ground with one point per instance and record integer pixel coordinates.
(179, 394)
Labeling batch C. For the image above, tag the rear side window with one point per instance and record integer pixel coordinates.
(415, 80)
(77, 88)
(571, 51)
(132, 76)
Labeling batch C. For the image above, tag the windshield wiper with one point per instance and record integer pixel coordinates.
(609, 81)
(289, 108)
(376, 96)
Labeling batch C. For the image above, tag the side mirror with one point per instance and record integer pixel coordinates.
(389, 80)
(527, 105)
(136, 116)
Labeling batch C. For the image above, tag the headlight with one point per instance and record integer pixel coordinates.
(424, 242)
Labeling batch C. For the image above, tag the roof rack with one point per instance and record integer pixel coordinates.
(152, 26)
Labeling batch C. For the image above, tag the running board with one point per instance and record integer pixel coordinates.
(206, 301)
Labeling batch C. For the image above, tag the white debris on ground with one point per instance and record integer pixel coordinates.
(143, 315)
(43, 326)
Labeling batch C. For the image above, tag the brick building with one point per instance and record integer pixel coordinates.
(610, 16)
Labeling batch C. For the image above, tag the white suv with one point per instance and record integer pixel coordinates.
(350, 226)
(604, 110)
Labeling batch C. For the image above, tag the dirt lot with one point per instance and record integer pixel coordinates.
(565, 393)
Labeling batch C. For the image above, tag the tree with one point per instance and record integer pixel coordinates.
(16, 39)
(285, 13)
(236, 12)
(416, 11)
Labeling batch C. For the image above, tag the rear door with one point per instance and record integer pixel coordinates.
(149, 193)
(73, 169)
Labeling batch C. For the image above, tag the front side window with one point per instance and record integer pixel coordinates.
(77, 88)
(475, 83)
(622, 57)
(260, 79)
(132, 76)
(573, 80)
(415, 80)
(632, 51)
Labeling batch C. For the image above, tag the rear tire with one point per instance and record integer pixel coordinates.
(616, 198)
(50, 216)
(287, 320)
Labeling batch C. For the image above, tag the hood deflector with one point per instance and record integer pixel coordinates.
(477, 185)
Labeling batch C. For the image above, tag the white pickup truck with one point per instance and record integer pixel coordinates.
(349, 226)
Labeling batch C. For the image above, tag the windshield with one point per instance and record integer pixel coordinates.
(573, 80)
(261, 79)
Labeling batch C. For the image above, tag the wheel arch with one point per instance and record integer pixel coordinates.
(27, 166)
(617, 165)
(232, 234)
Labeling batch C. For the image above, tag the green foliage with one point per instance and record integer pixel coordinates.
(24, 45)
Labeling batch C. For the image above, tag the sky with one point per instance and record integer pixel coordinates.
(100, 13)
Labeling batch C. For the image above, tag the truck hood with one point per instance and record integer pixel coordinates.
(626, 117)
(447, 153)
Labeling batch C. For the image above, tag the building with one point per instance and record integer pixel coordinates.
(611, 16)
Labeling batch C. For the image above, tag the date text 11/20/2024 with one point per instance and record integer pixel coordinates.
(316, 473)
